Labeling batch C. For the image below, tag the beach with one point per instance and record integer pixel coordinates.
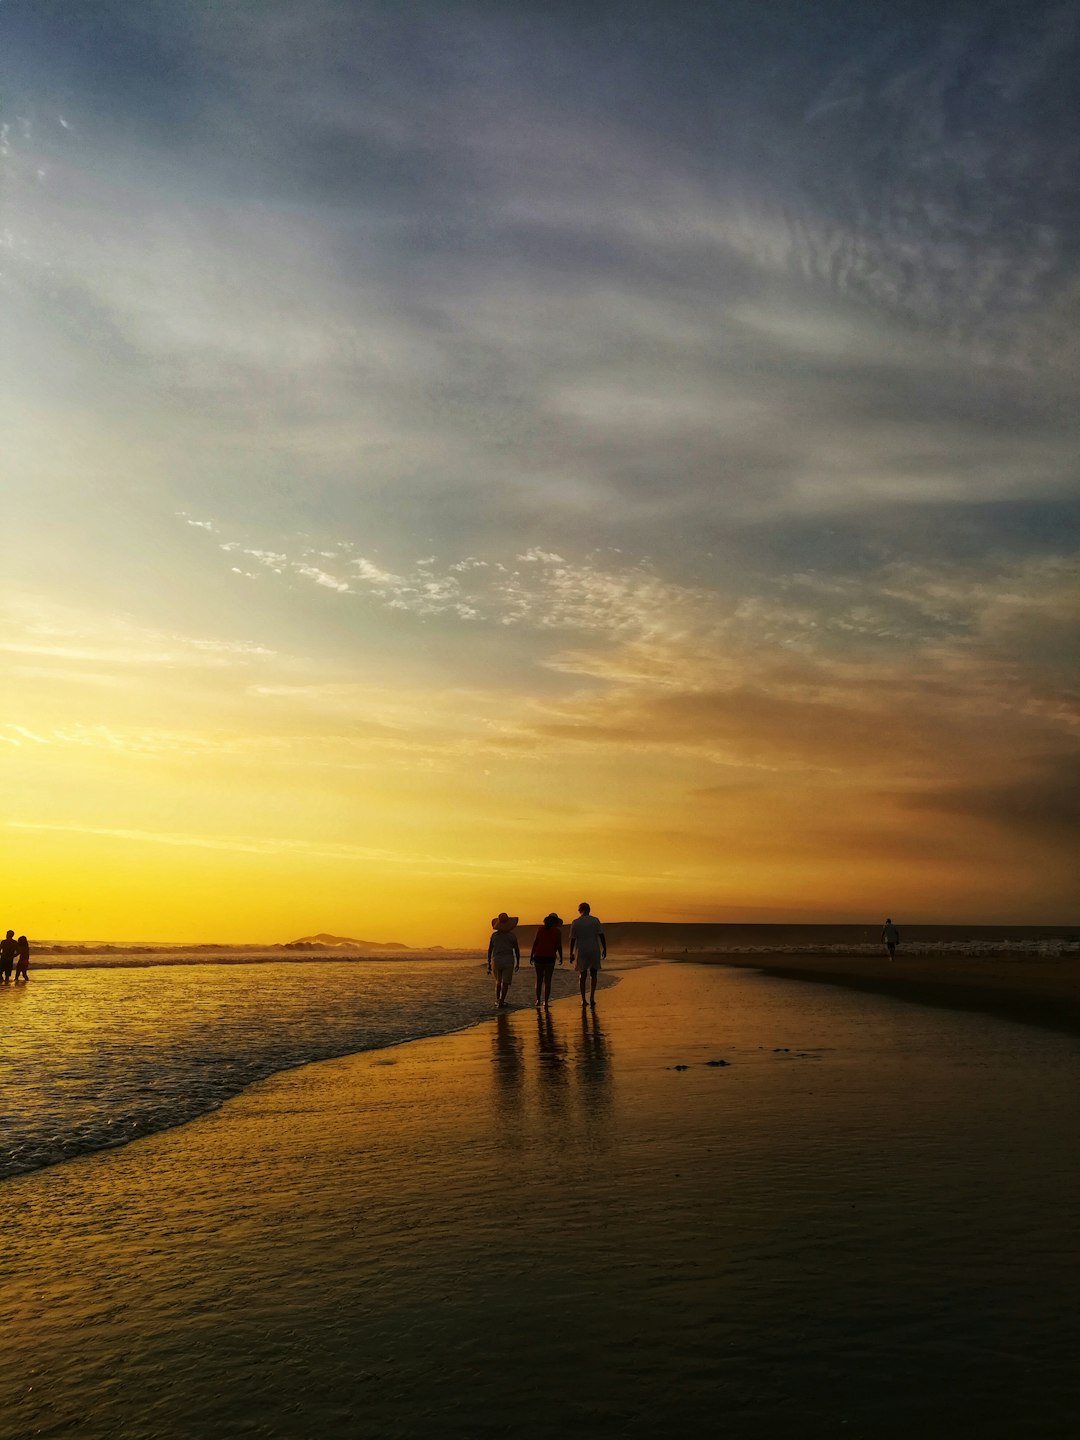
(578, 1224)
(1029, 988)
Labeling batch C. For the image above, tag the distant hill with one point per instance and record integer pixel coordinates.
(323, 941)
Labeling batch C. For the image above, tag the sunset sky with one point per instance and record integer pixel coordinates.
(462, 457)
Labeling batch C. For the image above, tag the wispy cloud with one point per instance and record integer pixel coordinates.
(49, 630)
(416, 862)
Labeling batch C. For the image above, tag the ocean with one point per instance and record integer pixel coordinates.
(102, 1048)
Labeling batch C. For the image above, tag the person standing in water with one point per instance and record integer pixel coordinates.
(588, 944)
(8, 950)
(546, 949)
(504, 954)
(890, 938)
(22, 958)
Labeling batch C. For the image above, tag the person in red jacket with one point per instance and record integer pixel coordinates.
(546, 949)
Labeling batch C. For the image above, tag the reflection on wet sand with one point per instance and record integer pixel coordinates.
(344, 1241)
(551, 1066)
(564, 1077)
(550, 1049)
(508, 1052)
(593, 1054)
(508, 1079)
(593, 1066)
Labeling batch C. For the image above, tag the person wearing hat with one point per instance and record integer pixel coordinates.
(9, 948)
(504, 954)
(546, 949)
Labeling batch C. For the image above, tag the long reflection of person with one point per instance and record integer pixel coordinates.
(508, 1065)
(593, 1064)
(550, 1064)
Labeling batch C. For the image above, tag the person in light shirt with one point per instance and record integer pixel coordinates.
(588, 949)
(504, 955)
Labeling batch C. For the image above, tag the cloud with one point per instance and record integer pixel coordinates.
(418, 862)
(323, 578)
(1042, 804)
(600, 325)
(550, 593)
(48, 630)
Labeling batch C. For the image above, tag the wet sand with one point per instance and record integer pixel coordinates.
(1033, 991)
(576, 1225)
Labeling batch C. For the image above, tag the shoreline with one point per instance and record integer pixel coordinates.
(1032, 991)
(151, 1128)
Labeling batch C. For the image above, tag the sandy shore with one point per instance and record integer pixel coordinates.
(1034, 991)
(576, 1225)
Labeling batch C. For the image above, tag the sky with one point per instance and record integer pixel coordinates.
(466, 457)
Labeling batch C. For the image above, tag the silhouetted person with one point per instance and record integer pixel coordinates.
(504, 954)
(22, 958)
(8, 950)
(546, 949)
(890, 938)
(589, 944)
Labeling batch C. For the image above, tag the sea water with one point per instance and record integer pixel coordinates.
(102, 1050)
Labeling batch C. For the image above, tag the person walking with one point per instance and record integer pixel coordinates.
(8, 950)
(588, 945)
(546, 949)
(22, 958)
(504, 954)
(890, 938)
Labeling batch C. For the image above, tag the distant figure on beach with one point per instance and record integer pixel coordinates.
(22, 958)
(588, 945)
(890, 938)
(546, 949)
(8, 950)
(504, 954)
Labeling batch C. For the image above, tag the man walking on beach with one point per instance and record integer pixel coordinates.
(588, 946)
(890, 938)
(504, 954)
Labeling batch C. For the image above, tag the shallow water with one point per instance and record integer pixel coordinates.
(93, 1057)
(863, 1225)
